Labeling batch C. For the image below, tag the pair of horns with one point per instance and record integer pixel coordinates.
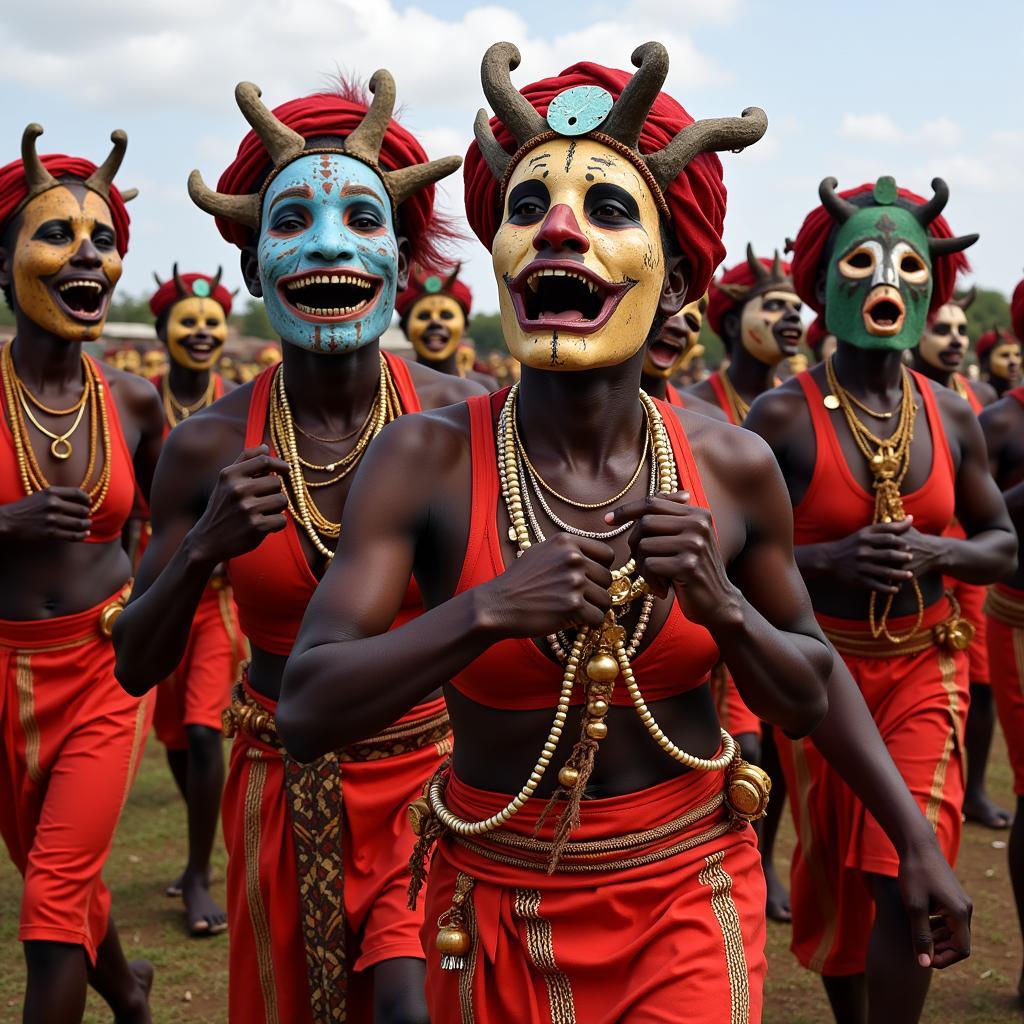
(966, 300)
(624, 122)
(40, 180)
(841, 210)
(764, 278)
(183, 290)
(420, 278)
(284, 145)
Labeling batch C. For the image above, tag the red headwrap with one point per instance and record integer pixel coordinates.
(1017, 310)
(719, 303)
(696, 198)
(991, 339)
(326, 113)
(167, 294)
(817, 333)
(809, 250)
(416, 289)
(13, 190)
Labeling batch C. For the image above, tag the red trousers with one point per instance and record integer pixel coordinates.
(70, 742)
(919, 703)
(1006, 658)
(200, 687)
(267, 951)
(677, 939)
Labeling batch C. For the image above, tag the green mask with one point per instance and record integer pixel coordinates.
(879, 282)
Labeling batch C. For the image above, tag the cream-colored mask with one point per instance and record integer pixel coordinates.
(70, 302)
(944, 341)
(678, 334)
(196, 332)
(763, 334)
(578, 257)
(435, 326)
(1004, 361)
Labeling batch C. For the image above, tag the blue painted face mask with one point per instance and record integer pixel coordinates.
(328, 254)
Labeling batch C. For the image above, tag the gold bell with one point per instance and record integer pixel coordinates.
(602, 668)
(452, 941)
(954, 634)
(109, 616)
(746, 791)
(419, 811)
(598, 707)
(597, 730)
(568, 777)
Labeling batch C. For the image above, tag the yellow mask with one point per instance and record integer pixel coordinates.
(770, 326)
(675, 341)
(196, 332)
(154, 363)
(578, 257)
(65, 262)
(944, 342)
(1004, 361)
(435, 326)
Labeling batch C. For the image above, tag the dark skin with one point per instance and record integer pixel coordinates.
(214, 500)
(978, 806)
(883, 558)
(49, 572)
(198, 770)
(1003, 425)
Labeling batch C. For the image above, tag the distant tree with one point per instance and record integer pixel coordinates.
(485, 330)
(127, 309)
(714, 349)
(6, 315)
(252, 320)
(989, 309)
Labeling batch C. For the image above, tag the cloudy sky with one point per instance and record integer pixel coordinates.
(911, 89)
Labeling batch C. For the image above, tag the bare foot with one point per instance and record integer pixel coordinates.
(142, 970)
(205, 916)
(777, 905)
(176, 887)
(979, 808)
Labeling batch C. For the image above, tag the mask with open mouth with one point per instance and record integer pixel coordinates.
(191, 313)
(435, 326)
(668, 351)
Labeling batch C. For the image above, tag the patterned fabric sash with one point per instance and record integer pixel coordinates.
(1007, 607)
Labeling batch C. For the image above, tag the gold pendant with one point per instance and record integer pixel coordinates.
(746, 790)
(620, 590)
(955, 634)
(830, 402)
(884, 464)
(58, 452)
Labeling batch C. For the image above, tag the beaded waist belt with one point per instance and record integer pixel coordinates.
(1004, 607)
(247, 715)
(953, 634)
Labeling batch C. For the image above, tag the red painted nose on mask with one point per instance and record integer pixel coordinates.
(561, 230)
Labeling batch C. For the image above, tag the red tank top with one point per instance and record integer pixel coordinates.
(513, 674)
(273, 583)
(109, 519)
(836, 505)
(723, 399)
(673, 397)
(968, 391)
(1017, 393)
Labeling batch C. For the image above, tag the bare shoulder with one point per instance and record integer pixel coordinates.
(953, 408)
(983, 391)
(1001, 417)
(734, 455)
(778, 413)
(132, 392)
(211, 439)
(436, 390)
(430, 439)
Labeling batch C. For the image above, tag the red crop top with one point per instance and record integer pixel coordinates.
(673, 397)
(109, 519)
(273, 583)
(513, 674)
(972, 398)
(836, 505)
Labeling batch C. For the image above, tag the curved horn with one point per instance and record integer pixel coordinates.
(450, 280)
(179, 285)
(241, 209)
(37, 176)
(128, 194)
(402, 184)
(511, 106)
(627, 116)
(491, 149)
(790, 245)
(948, 246)
(759, 270)
(102, 178)
(156, 277)
(965, 301)
(281, 142)
(927, 212)
(365, 142)
(715, 133)
(839, 209)
(215, 280)
(777, 272)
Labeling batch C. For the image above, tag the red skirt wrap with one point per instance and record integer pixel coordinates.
(919, 703)
(622, 945)
(1006, 657)
(267, 952)
(971, 598)
(70, 743)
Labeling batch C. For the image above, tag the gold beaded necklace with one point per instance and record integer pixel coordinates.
(738, 405)
(959, 385)
(176, 411)
(889, 461)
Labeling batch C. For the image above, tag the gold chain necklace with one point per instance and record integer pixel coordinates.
(738, 404)
(60, 444)
(959, 385)
(176, 411)
(889, 462)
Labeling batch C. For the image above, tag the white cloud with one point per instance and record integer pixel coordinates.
(939, 132)
(877, 128)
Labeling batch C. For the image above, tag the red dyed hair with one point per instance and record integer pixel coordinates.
(1017, 310)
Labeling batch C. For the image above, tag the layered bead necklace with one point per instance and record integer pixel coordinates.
(20, 401)
(888, 459)
(385, 407)
(176, 411)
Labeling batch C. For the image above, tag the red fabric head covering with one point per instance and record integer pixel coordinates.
(719, 303)
(817, 333)
(328, 113)
(416, 290)
(990, 339)
(1017, 310)
(13, 190)
(696, 198)
(167, 294)
(809, 251)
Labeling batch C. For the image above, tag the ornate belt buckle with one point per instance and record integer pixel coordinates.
(955, 634)
(746, 790)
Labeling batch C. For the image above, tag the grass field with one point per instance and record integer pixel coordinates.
(191, 974)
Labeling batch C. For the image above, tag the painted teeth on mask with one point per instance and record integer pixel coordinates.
(311, 279)
(80, 284)
(332, 311)
(562, 292)
(533, 281)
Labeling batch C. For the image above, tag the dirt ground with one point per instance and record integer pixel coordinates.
(191, 974)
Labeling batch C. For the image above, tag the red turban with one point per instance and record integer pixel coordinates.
(696, 197)
(417, 289)
(327, 113)
(809, 251)
(13, 190)
(719, 303)
(167, 294)
(1017, 310)
(817, 333)
(991, 339)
